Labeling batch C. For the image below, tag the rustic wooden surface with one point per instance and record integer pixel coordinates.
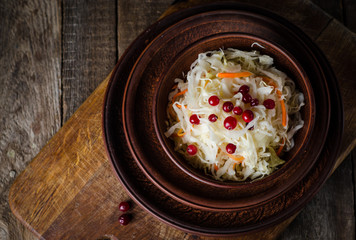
(30, 63)
(54, 54)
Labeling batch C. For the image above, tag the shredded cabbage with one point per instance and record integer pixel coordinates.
(257, 146)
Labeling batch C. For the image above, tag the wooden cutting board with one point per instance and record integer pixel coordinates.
(69, 191)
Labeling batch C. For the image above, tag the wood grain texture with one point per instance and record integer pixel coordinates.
(345, 73)
(333, 8)
(29, 93)
(330, 214)
(19, 117)
(89, 49)
(349, 10)
(312, 24)
(135, 16)
(68, 166)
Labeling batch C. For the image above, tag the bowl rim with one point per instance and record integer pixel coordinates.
(279, 171)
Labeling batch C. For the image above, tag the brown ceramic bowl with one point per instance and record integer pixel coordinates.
(164, 185)
(283, 60)
(171, 53)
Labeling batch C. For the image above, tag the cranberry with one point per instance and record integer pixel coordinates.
(247, 116)
(213, 118)
(124, 206)
(214, 100)
(228, 106)
(244, 89)
(124, 219)
(230, 148)
(230, 123)
(269, 103)
(237, 110)
(194, 119)
(192, 149)
(246, 98)
(254, 102)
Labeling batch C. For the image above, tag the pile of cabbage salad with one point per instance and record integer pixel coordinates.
(234, 115)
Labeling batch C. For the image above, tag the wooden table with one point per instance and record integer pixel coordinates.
(54, 54)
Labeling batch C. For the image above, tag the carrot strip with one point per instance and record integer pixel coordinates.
(206, 83)
(234, 75)
(180, 133)
(279, 151)
(270, 82)
(236, 158)
(216, 167)
(175, 86)
(178, 94)
(284, 113)
(180, 106)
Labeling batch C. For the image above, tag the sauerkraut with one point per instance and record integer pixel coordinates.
(198, 120)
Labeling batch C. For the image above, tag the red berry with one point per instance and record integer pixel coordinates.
(254, 102)
(194, 119)
(237, 110)
(246, 98)
(230, 148)
(214, 100)
(228, 106)
(247, 116)
(230, 123)
(124, 206)
(269, 103)
(124, 219)
(244, 89)
(192, 149)
(213, 118)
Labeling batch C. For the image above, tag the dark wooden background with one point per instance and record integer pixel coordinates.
(53, 54)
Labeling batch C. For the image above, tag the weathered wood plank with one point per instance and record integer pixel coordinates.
(135, 16)
(312, 24)
(345, 73)
(332, 7)
(349, 10)
(349, 7)
(66, 165)
(330, 214)
(89, 49)
(353, 157)
(30, 53)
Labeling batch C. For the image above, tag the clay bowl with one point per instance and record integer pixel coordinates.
(170, 53)
(283, 60)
